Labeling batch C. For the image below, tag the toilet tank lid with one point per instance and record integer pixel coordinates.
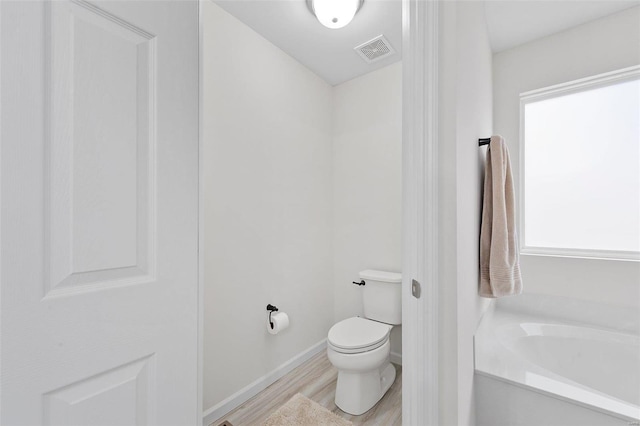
(384, 276)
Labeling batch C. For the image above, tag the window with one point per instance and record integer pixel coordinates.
(580, 159)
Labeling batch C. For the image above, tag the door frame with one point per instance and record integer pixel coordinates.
(420, 389)
(200, 313)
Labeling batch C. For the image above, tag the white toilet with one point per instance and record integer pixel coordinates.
(359, 347)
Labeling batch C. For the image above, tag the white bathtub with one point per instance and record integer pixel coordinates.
(534, 371)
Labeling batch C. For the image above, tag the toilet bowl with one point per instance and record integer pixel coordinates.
(359, 348)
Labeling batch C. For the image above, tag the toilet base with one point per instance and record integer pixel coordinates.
(357, 393)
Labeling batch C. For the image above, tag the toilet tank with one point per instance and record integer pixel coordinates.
(382, 296)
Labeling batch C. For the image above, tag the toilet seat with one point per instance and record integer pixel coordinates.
(358, 335)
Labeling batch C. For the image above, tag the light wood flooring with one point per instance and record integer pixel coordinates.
(316, 379)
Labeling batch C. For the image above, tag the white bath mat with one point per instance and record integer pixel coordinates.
(300, 410)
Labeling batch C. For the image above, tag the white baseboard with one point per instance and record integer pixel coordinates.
(221, 409)
(395, 358)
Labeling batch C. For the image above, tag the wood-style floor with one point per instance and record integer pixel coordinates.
(316, 379)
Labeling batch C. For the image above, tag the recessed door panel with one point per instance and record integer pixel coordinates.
(117, 397)
(100, 169)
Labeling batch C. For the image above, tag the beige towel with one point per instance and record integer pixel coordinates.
(499, 257)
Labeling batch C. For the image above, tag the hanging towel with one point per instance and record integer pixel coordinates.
(499, 257)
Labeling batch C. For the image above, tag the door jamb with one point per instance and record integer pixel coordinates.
(200, 360)
(420, 402)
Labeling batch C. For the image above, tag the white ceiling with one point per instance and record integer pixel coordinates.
(329, 53)
(515, 22)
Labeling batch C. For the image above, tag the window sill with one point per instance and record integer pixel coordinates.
(619, 256)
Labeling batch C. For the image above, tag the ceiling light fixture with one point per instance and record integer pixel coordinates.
(334, 14)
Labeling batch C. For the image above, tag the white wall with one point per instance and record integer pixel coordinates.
(465, 115)
(267, 205)
(367, 184)
(600, 46)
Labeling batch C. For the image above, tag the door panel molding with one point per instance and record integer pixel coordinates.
(79, 403)
(100, 144)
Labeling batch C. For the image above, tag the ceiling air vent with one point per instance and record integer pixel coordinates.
(375, 49)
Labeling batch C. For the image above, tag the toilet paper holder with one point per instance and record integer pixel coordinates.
(271, 308)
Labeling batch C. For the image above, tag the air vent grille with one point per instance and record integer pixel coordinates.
(375, 49)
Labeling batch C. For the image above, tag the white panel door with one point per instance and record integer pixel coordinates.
(98, 212)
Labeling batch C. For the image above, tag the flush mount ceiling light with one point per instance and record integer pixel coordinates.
(334, 13)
